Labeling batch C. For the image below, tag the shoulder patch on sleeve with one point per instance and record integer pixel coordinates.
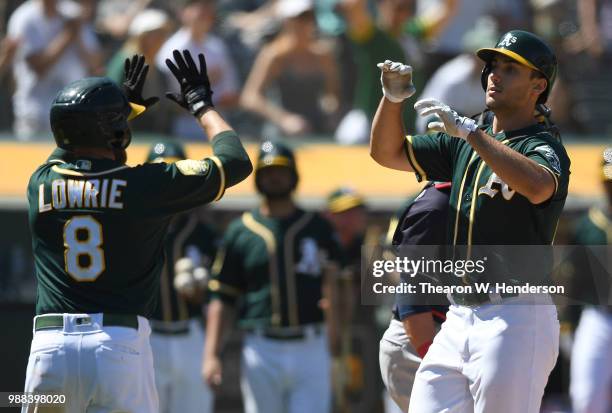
(192, 167)
(551, 156)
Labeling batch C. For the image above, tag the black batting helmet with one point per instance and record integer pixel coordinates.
(92, 112)
(527, 49)
(275, 153)
(166, 151)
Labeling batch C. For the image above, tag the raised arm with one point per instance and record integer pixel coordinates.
(196, 97)
(522, 174)
(40, 62)
(387, 137)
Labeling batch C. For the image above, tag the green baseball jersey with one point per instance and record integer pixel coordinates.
(595, 228)
(187, 237)
(272, 269)
(484, 209)
(98, 228)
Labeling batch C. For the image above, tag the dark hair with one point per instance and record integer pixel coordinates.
(543, 118)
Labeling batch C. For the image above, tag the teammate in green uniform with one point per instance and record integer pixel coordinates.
(177, 324)
(510, 181)
(270, 270)
(591, 363)
(98, 230)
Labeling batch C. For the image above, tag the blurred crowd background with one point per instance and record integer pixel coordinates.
(296, 68)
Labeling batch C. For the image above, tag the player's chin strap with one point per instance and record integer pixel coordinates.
(543, 114)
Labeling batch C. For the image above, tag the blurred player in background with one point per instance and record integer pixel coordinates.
(98, 228)
(177, 325)
(414, 325)
(354, 389)
(591, 362)
(271, 273)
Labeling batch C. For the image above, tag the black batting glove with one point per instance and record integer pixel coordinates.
(135, 73)
(196, 95)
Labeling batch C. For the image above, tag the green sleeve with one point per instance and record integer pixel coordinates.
(431, 156)
(236, 163)
(180, 186)
(188, 183)
(551, 155)
(226, 282)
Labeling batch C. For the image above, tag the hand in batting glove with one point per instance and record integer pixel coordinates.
(396, 79)
(135, 72)
(451, 123)
(196, 95)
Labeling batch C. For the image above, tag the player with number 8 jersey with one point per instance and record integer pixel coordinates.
(98, 228)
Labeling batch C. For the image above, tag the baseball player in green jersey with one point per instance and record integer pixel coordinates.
(177, 333)
(591, 363)
(354, 389)
(98, 229)
(510, 181)
(270, 271)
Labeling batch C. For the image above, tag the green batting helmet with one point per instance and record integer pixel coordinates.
(166, 151)
(527, 49)
(275, 153)
(92, 112)
(343, 199)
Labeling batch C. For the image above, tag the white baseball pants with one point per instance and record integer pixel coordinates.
(99, 369)
(591, 366)
(399, 363)
(493, 358)
(178, 363)
(286, 376)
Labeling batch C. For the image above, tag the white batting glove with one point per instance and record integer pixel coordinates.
(396, 80)
(451, 124)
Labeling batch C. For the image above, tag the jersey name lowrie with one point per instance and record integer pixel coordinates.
(73, 193)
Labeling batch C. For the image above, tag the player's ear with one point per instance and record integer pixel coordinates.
(539, 84)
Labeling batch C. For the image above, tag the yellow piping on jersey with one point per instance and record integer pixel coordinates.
(393, 223)
(413, 159)
(459, 198)
(602, 222)
(290, 267)
(216, 285)
(554, 175)
(219, 164)
(473, 209)
(70, 172)
(268, 237)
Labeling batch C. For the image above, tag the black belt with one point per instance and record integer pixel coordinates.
(286, 333)
(179, 327)
(57, 321)
(476, 299)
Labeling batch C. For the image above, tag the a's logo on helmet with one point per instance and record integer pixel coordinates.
(267, 160)
(267, 146)
(507, 41)
(159, 148)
